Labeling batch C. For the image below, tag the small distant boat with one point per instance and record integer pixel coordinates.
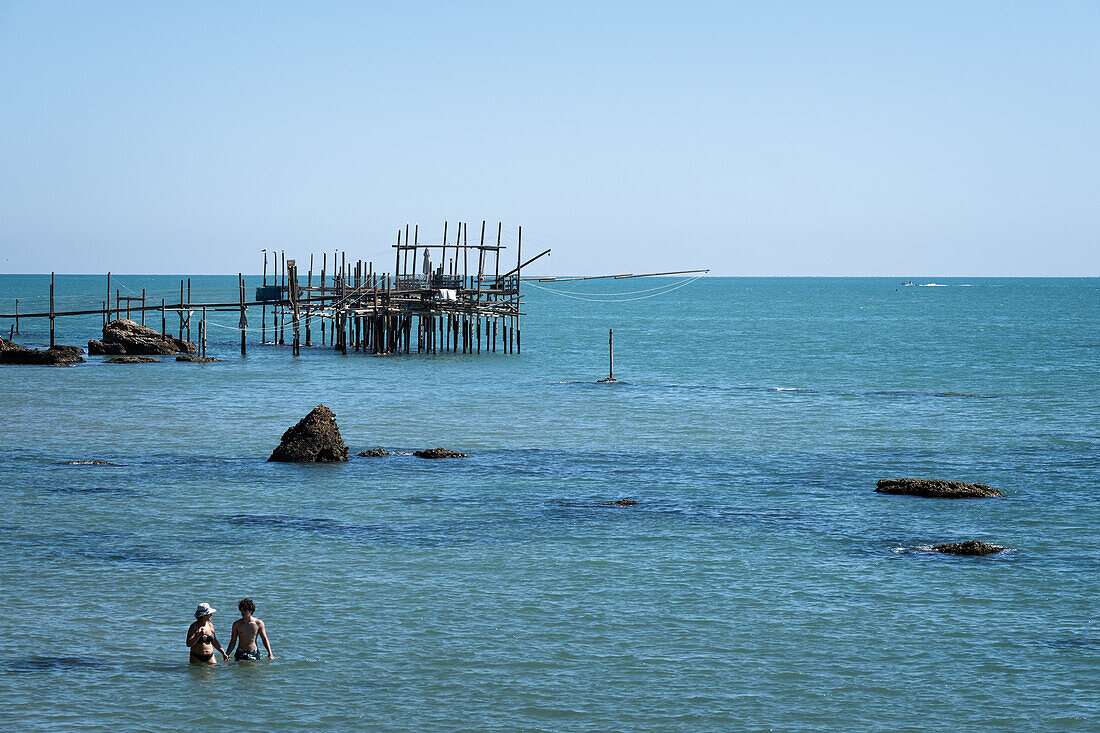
(907, 284)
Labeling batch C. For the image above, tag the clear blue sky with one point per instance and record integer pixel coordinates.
(762, 138)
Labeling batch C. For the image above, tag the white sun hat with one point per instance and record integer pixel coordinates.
(204, 609)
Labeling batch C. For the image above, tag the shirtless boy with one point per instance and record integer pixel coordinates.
(246, 629)
(201, 639)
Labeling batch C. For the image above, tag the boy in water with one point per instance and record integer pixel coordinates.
(246, 629)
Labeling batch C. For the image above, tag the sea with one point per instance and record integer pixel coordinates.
(758, 584)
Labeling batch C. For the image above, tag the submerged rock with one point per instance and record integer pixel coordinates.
(127, 337)
(935, 488)
(374, 453)
(970, 547)
(620, 502)
(13, 353)
(133, 360)
(196, 359)
(439, 453)
(93, 462)
(315, 439)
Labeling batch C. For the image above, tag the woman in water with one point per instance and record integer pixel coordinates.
(200, 637)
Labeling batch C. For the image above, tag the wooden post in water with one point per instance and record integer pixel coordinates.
(202, 332)
(107, 303)
(610, 357)
(519, 273)
(263, 308)
(163, 319)
(17, 315)
(243, 322)
(282, 309)
(309, 298)
(324, 264)
(51, 310)
(292, 269)
(188, 309)
(143, 306)
(180, 311)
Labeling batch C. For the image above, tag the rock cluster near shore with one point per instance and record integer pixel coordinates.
(125, 337)
(13, 353)
(196, 359)
(315, 439)
(936, 488)
(374, 453)
(970, 547)
(133, 360)
(439, 453)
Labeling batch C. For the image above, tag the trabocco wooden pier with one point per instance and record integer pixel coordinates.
(450, 296)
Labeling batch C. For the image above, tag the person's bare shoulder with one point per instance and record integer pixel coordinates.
(259, 622)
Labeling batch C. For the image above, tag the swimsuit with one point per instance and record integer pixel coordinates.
(206, 639)
(241, 655)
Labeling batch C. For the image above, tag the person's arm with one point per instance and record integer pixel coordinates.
(263, 638)
(232, 639)
(193, 634)
(214, 641)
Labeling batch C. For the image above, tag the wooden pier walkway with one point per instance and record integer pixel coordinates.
(444, 303)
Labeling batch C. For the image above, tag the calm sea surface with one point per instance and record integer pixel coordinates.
(759, 583)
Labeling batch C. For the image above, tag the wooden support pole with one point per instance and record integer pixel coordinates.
(180, 311)
(163, 319)
(294, 311)
(143, 306)
(263, 308)
(202, 331)
(17, 315)
(51, 310)
(443, 254)
(519, 273)
(188, 309)
(242, 323)
(309, 301)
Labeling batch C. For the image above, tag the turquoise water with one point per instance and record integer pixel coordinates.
(759, 583)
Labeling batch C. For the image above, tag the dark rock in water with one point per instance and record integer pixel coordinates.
(935, 488)
(93, 462)
(52, 664)
(315, 439)
(439, 453)
(196, 359)
(127, 337)
(620, 502)
(133, 360)
(13, 353)
(970, 547)
(374, 453)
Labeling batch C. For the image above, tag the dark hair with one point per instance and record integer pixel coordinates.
(246, 604)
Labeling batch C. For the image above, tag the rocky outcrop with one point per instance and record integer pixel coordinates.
(13, 353)
(439, 453)
(133, 360)
(374, 453)
(970, 547)
(935, 488)
(620, 502)
(124, 336)
(315, 439)
(196, 359)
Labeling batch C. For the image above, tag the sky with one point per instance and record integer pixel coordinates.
(883, 138)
